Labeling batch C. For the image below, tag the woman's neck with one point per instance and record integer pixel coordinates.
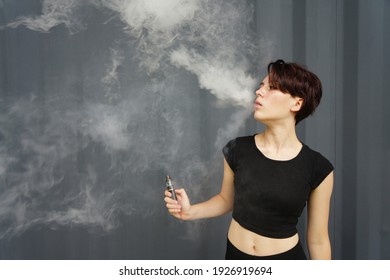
(278, 138)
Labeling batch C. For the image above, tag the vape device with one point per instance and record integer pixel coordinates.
(169, 186)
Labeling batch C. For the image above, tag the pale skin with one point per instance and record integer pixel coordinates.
(276, 110)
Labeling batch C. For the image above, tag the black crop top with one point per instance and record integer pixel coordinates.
(270, 195)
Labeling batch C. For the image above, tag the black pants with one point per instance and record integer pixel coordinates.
(295, 253)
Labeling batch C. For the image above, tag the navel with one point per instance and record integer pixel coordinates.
(254, 248)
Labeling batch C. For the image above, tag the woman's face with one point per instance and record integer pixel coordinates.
(272, 105)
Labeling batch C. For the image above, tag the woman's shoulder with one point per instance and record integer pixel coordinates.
(320, 167)
(315, 156)
(239, 141)
(244, 138)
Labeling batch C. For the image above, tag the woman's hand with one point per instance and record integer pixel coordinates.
(218, 205)
(179, 208)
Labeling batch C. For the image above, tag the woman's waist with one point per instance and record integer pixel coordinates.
(256, 244)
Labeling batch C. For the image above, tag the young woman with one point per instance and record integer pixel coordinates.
(270, 177)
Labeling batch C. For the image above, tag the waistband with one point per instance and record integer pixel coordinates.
(295, 253)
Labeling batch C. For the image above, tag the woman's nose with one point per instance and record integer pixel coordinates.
(259, 92)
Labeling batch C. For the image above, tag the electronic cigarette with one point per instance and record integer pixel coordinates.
(168, 184)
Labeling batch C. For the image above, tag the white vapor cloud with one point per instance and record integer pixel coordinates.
(54, 12)
(228, 83)
(70, 157)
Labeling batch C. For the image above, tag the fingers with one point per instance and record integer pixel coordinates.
(167, 194)
(172, 205)
(180, 194)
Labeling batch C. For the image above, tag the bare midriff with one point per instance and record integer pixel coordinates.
(254, 244)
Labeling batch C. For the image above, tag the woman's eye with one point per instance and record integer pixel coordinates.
(271, 87)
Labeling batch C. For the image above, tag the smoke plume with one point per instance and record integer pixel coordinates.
(82, 154)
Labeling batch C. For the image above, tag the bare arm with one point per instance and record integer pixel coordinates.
(318, 218)
(218, 205)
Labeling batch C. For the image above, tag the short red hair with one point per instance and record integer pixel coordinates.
(296, 80)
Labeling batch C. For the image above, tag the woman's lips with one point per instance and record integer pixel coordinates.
(257, 104)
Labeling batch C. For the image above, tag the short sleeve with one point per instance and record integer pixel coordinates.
(322, 168)
(229, 151)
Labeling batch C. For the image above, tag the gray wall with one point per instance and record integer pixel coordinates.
(99, 103)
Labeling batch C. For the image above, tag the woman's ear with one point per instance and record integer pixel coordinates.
(297, 105)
